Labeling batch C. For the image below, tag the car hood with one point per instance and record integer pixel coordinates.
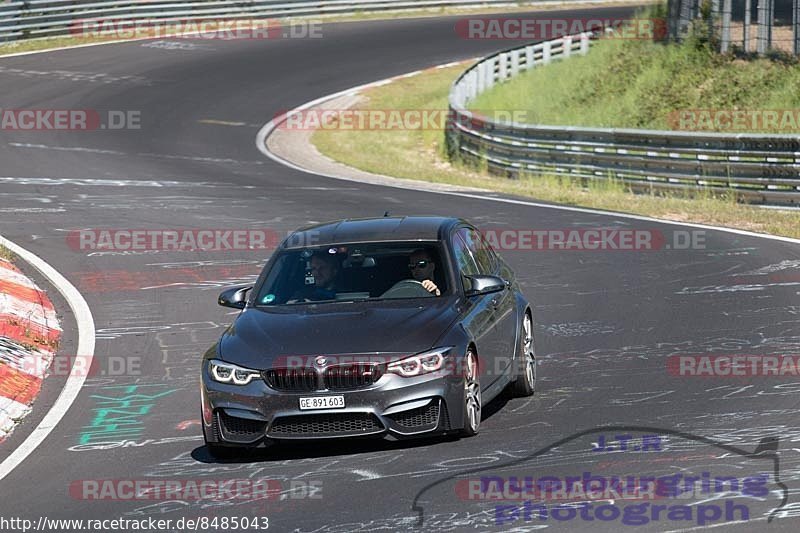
(261, 336)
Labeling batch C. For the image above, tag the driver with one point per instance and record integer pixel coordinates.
(422, 267)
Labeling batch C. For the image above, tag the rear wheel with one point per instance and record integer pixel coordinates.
(472, 395)
(525, 384)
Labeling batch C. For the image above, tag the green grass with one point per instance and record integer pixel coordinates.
(642, 84)
(418, 154)
(6, 254)
(47, 43)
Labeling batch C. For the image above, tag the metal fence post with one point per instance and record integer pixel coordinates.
(726, 26)
(713, 17)
(515, 61)
(748, 14)
(796, 26)
(584, 43)
(566, 46)
(685, 16)
(771, 19)
(673, 20)
(489, 76)
(529, 53)
(764, 26)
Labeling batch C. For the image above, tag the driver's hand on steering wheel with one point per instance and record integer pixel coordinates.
(431, 287)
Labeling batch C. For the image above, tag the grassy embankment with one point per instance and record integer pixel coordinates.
(621, 83)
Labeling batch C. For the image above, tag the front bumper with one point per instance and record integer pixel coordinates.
(394, 407)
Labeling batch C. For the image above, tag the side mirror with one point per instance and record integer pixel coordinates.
(235, 297)
(485, 285)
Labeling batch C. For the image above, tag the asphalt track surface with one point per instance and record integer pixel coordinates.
(605, 321)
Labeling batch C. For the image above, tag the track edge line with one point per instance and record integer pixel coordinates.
(74, 383)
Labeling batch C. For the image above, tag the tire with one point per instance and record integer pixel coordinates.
(472, 395)
(525, 384)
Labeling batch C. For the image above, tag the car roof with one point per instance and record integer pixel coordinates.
(380, 229)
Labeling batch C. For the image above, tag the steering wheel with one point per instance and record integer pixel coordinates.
(407, 288)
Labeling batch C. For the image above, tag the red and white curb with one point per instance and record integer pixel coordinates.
(29, 334)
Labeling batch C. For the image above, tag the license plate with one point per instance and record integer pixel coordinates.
(321, 402)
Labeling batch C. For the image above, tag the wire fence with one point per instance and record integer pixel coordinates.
(748, 26)
(770, 26)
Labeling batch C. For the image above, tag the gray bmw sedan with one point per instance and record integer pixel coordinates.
(392, 327)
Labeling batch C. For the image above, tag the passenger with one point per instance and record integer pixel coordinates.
(324, 268)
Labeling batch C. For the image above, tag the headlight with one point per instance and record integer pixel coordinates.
(228, 373)
(422, 363)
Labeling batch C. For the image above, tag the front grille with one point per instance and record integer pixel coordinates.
(291, 379)
(233, 428)
(331, 425)
(420, 417)
(353, 376)
(339, 377)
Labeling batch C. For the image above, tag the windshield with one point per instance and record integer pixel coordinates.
(350, 272)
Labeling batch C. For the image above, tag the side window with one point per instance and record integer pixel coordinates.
(479, 249)
(464, 261)
(493, 258)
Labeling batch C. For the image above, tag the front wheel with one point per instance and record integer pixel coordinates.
(472, 396)
(525, 384)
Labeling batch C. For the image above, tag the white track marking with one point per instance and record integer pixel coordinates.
(83, 317)
(66, 148)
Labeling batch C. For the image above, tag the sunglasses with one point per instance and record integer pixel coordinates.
(419, 264)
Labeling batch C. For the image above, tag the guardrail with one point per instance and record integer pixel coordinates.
(759, 168)
(45, 18)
